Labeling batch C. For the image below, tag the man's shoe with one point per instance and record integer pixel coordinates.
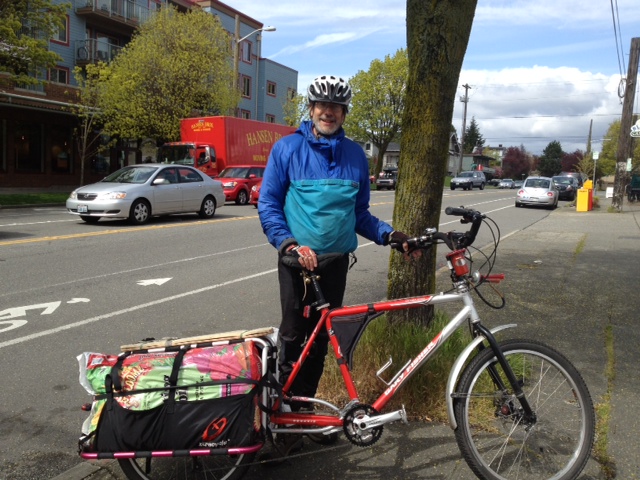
(284, 444)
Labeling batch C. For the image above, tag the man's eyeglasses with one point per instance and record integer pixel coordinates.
(334, 107)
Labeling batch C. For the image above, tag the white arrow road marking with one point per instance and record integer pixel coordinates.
(48, 309)
(155, 281)
(11, 324)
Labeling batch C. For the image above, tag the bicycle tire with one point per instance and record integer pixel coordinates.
(216, 467)
(493, 437)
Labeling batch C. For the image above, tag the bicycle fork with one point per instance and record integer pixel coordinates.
(529, 415)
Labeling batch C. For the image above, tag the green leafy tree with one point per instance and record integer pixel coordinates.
(176, 66)
(295, 110)
(25, 29)
(551, 159)
(378, 102)
(85, 107)
(472, 137)
(437, 38)
(607, 162)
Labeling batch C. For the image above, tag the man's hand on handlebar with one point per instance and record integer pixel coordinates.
(306, 256)
(399, 241)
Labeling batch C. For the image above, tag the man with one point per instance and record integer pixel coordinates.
(314, 199)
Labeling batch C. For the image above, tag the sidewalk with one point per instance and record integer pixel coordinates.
(569, 278)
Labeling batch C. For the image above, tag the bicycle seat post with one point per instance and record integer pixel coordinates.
(312, 277)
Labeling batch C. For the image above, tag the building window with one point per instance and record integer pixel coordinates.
(291, 93)
(246, 86)
(270, 118)
(245, 51)
(62, 35)
(271, 89)
(246, 114)
(59, 75)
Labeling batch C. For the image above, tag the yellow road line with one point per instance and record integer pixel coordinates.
(124, 230)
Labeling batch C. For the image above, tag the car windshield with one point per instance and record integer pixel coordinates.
(466, 174)
(563, 180)
(507, 180)
(131, 175)
(537, 183)
(177, 154)
(236, 172)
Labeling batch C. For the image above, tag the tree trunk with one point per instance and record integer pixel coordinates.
(437, 37)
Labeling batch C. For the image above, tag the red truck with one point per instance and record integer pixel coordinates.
(212, 144)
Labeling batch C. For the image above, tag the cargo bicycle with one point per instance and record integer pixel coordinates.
(519, 409)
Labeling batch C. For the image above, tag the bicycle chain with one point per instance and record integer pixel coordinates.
(353, 431)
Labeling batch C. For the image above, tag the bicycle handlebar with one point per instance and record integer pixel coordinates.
(453, 240)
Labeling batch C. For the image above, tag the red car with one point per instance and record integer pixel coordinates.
(237, 182)
(254, 194)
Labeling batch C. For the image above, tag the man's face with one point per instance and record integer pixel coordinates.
(327, 117)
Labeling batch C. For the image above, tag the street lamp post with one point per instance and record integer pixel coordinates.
(238, 41)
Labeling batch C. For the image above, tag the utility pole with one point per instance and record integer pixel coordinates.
(625, 141)
(464, 100)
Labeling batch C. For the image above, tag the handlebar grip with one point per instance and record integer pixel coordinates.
(458, 211)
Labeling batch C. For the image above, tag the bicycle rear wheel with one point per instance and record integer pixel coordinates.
(214, 467)
(497, 441)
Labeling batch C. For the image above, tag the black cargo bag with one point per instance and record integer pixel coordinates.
(231, 420)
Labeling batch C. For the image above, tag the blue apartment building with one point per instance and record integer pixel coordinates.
(36, 126)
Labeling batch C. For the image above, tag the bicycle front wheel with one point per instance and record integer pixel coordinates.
(214, 467)
(493, 434)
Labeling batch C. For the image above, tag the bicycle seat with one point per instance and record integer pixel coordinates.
(324, 259)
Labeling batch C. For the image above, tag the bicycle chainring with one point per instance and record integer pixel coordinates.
(353, 428)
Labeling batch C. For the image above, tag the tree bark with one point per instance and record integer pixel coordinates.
(437, 37)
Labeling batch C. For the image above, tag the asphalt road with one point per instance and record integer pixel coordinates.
(70, 287)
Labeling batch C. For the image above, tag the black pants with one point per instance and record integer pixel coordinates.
(295, 329)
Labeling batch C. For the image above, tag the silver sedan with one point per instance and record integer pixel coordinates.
(138, 192)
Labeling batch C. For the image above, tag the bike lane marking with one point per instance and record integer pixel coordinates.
(106, 316)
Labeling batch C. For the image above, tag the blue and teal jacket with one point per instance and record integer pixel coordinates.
(315, 192)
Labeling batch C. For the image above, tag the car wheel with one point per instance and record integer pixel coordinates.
(482, 186)
(452, 187)
(140, 212)
(242, 198)
(89, 219)
(518, 205)
(208, 208)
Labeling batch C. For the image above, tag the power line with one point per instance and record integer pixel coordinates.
(618, 35)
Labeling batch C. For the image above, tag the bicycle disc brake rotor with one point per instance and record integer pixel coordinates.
(354, 426)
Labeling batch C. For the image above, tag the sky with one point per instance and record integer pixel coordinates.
(539, 70)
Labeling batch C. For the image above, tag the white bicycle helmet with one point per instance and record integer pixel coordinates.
(328, 88)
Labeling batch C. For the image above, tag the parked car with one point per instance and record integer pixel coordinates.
(469, 180)
(579, 176)
(518, 183)
(138, 192)
(494, 182)
(388, 180)
(538, 191)
(506, 183)
(254, 194)
(567, 187)
(237, 182)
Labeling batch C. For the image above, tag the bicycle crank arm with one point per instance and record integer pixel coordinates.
(367, 423)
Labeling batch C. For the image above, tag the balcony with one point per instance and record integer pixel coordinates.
(92, 51)
(120, 15)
